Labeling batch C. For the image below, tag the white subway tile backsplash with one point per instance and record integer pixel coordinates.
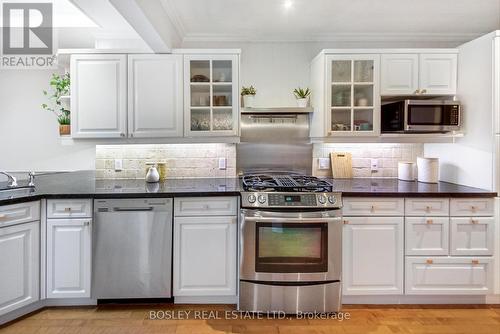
(388, 156)
(182, 160)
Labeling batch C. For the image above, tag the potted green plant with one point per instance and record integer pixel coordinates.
(302, 96)
(59, 86)
(248, 94)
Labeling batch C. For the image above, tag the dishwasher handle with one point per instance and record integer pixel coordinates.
(150, 208)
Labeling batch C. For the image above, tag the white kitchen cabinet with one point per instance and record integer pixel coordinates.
(98, 96)
(472, 236)
(372, 206)
(399, 74)
(352, 95)
(426, 235)
(448, 275)
(155, 96)
(20, 266)
(68, 258)
(372, 255)
(205, 256)
(438, 73)
(211, 95)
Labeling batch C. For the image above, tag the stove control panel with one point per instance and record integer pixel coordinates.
(290, 200)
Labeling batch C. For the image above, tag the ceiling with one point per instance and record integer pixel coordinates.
(330, 20)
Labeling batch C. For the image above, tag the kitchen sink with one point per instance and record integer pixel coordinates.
(16, 192)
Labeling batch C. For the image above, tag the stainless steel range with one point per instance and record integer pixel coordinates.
(290, 245)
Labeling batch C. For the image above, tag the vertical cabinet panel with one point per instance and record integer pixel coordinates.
(68, 258)
(155, 96)
(205, 256)
(211, 95)
(373, 255)
(98, 96)
(399, 74)
(438, 73)
(19, 263)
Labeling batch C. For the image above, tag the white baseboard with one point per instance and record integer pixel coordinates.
(206, 299)
(432, 299)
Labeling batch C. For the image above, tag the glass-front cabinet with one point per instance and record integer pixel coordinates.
(353, 99)
(211, 95)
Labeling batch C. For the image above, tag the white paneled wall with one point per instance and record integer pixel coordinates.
(182, 160)
(387, 156)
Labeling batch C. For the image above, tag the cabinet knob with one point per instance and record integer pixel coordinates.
(67, 209)
(346, 222)
(122, 134)
(429, 261)
(473, 208)
(86, 223)
(474, 221)
(429, 221)
(428, 208)
(475, 261)
(372, 208)
(131, 135)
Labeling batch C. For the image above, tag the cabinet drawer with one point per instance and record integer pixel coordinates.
(471, 207)
(205, 206)
(426, 236)
(427, 207)
(69, 208)
(368, 206)
(449, 275)
(472, 236)
(19, 213)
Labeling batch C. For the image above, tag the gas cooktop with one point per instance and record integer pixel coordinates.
(285, 183)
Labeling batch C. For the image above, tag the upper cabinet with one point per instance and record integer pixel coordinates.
(98, 96)
(155, 86)
(346, 91)
(418, 74)
(211, 95)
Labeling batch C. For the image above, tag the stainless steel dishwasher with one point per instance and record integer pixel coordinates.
(132, 248)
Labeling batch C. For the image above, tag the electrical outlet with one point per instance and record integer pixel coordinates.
(374, 165)
(222, 163)
(323, 163)
(118, 165)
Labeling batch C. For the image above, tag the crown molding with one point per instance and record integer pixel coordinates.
(334, 37)
(173, 14)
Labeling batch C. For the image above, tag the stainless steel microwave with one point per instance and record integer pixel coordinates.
(421, 116)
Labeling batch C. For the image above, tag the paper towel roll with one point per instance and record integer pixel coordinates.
(428, 170)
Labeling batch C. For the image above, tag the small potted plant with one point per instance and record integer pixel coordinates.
(248, 94)
(60, 87)
(302, 96)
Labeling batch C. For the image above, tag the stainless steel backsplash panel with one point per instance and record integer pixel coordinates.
(274, 142)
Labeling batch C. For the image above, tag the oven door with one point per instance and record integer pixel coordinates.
(290, 246)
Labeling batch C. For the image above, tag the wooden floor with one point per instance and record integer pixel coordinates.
(363, 319)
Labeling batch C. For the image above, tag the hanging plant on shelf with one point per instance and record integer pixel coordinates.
(248, 94)
(302, 96)
(59, 86)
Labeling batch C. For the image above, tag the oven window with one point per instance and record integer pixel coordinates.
(425, 115)
(291, 248)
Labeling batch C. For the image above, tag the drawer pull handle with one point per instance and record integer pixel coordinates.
(67, 209)
(429, 221)
(473, 208)
(86, 223)
(346, 222)
(475, 261)
(474, 221)
(372, 208)
(428, 209)
(429, 261)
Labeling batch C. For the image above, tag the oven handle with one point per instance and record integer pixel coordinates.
(294, 220)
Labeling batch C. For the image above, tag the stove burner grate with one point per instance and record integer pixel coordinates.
(288, 183)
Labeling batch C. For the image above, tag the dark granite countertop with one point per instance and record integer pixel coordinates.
(83, 184)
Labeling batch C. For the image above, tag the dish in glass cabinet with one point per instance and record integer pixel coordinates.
(199, 78)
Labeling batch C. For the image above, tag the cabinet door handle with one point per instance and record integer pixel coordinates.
(473, 208)
(372, 208)
(67, 209)
(86, 223)
(122, 134)
(346, 222)
(428, 209)
(429, 221)
(475, 261)
(429, 261)
(474, 221)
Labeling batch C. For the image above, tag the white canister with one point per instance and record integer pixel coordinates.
(406, 170)
(428, 170)
(152, 175)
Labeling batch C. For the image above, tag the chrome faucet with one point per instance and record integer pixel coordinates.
(11, 178)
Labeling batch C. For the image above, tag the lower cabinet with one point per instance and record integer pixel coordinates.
(373, 255)
(449, 275)
(205, 256)
(68, 258)
(19, 266)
